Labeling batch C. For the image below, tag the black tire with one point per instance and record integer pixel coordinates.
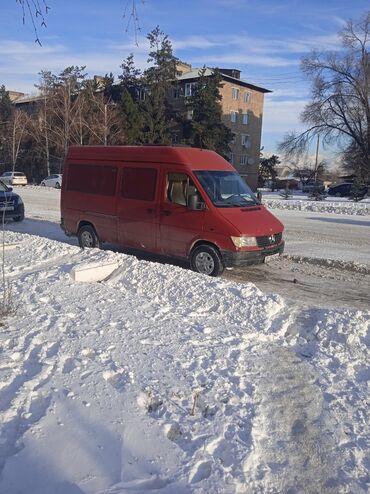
(206, 259)
(19, 218)
(87, 237)
(57, 185)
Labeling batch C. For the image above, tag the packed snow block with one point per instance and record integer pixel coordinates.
(93, 272)
(10, 246)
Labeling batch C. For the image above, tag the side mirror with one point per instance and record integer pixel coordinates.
(10, 189)
(195, 203)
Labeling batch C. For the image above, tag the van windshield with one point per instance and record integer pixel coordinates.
(226, 189)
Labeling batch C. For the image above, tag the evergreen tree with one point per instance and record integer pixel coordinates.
(6, 108)
(358, 190)
(132, 121)
(206, 127)
(158, 78)
(131, 89)
(267, 170)
(131, 77)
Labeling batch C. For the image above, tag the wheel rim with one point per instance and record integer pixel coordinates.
(87, 239)
(204, 263)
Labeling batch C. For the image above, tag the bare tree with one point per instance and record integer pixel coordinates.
(339, 110)
(101, 116)
(41, 123)
(14, 133)
(63, 100)
(36, 11)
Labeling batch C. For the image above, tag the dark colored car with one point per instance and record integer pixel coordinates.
(345, 190)
(11, 204)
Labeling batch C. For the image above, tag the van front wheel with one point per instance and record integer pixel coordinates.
(205, 259)
(87, 237)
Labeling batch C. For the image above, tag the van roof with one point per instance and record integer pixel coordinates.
(192, 157)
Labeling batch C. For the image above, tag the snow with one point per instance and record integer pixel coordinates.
(300, 202)
(159, 379)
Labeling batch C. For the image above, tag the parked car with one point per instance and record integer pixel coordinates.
(175, 201)
(312, 185)
(346, 190)
(340, 190)
(52, 181)
(14, 178)
(11, 204)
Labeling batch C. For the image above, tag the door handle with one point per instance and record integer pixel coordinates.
(165, 212)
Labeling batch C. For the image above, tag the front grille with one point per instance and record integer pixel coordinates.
(6, 204)
(269, 240)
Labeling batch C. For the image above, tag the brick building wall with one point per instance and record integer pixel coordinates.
(242, 109)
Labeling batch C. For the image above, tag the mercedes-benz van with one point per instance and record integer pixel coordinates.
(175, 201)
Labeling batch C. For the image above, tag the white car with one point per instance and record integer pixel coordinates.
(52, 181)
(14, 178)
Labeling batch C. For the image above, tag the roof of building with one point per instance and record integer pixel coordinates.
(194, 74)
(27, 98)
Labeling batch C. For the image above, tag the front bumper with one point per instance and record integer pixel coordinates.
(247, 258)
(17, 212)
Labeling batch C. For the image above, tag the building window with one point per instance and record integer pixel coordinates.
(246, 141)
(175, 137)
(141, 94)
(231, 158)
(235, 93)
(243, 159)
(233, 139)
(233, 116)
(189, 89)
(189, 114)
(176, 93)
(245, 118)
(247, 97)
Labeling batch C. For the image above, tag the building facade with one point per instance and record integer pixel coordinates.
(242, 109)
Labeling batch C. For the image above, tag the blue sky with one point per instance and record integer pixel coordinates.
(265, 39)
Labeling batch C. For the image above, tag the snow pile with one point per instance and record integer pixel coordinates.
(161, 379)
(337, 207)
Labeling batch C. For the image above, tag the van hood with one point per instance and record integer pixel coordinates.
(252, 220)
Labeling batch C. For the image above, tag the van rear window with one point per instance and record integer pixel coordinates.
(92, 179)
(139, 183)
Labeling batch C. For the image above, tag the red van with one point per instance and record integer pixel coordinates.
(175, 201)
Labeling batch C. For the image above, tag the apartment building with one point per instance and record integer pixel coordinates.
(242, 108)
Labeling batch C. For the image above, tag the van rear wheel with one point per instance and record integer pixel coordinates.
(205, 259)
(87, 237)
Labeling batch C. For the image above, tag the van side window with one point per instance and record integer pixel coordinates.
(92, 179)
(179, 188)
(139, 183)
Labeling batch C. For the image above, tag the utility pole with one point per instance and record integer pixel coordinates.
(317, 157)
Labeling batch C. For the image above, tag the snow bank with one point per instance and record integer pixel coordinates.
(337, 207)
(162, 379)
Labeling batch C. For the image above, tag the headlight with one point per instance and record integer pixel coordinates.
(244, 241)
